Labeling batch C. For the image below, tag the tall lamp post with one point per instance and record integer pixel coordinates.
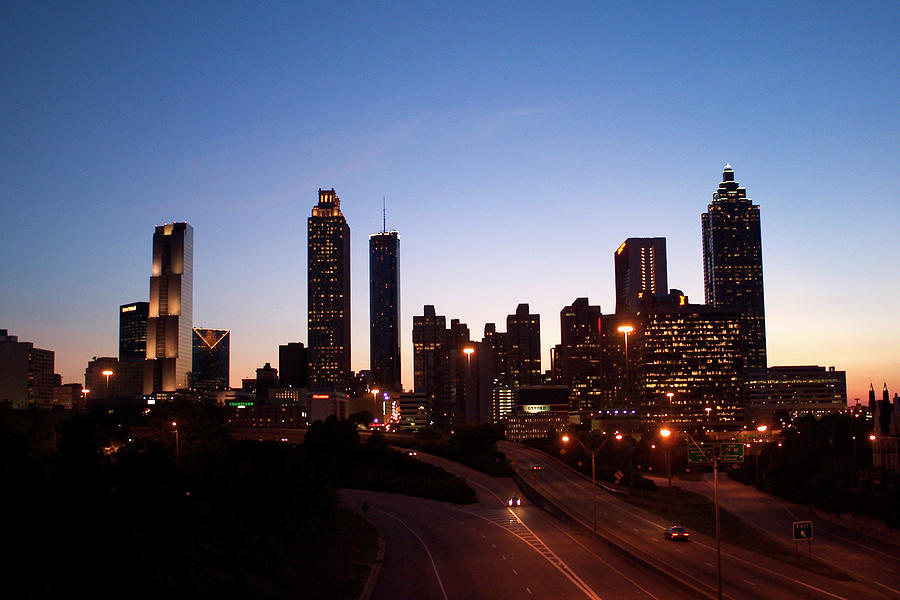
(665, 433)
(593, 453)
(763, 429)
(625, 330)
(177, 454)
(714, 460)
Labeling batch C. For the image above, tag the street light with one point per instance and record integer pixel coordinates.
(714, 459)
(666, 433)
(468, 352)
(107, 372)
(625, 330)
(593, 454)
(177, 454)
(670, 395)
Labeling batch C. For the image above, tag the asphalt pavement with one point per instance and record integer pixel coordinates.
(745, 575)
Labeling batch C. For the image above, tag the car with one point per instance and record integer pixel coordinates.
(677, 533)
(412, 453)
(536, 467)
(514, 501)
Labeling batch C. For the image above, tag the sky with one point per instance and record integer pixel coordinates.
(515, 146)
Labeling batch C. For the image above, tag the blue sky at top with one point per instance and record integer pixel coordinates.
(517, 144)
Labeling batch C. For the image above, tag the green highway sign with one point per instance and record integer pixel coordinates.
(701, 454)
(732, 452)
(803, 531)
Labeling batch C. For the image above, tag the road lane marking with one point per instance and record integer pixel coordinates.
(528, 589)
(515, 572)
(750, 582)
(522, 531)
(710, 548)
(424, 545)
(710, 565)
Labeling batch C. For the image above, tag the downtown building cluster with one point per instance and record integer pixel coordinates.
(657, 357)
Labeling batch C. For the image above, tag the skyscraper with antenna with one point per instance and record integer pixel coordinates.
(384, 307)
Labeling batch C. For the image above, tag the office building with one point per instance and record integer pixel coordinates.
(577, 360)
(133, 330)
(694, 352)
(732, 262)
(26, 373)
(523, 347)
(384, 310)
(211, 359)
(170, 314)
(266, 379)
(109, 379)
(293, 363)
(640, 269)
(328, 291)
(440, 365)
(788, 392)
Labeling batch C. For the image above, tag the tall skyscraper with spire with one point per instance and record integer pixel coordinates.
(328, 291)
(384, 309)
(169, 321)
(732, 262)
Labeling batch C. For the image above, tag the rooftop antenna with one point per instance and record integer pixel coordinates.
(383, 216)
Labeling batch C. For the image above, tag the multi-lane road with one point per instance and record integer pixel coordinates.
(436, 550)
(744, 574)
(440, 551)
(868, 557)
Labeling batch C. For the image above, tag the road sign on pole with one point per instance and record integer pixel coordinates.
(732, 452)
(803, 531)
(700, 454)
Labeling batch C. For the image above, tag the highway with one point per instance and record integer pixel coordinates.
(746, 575)
(436, 550)
(868, 557)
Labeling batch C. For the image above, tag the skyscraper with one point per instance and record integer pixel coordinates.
(133, 331)
(328, 290)
(732, 262)
(384, 309)
(169, 321)
(523, 350)
(640, 268)
(579, 353)
(211, 352)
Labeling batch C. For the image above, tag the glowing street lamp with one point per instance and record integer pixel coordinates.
(107, 372)
(625, 330)
(665, 433)
(762, 428)
(177, 454)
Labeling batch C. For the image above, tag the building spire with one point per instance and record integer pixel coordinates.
(383, 216)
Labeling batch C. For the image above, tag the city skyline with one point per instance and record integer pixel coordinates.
(560, 153)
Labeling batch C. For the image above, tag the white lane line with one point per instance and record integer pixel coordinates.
(756, 565)
(528, 589)
(515, 572)
(710, 565)
(546, 552)
(427, 551)
(748, 581)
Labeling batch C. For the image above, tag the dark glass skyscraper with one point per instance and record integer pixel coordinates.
(328, 290)
(523, 349)
(384, 309)
(211, 359)
(133, 330)
(640, 268)
(732, 262)
(293, 364)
